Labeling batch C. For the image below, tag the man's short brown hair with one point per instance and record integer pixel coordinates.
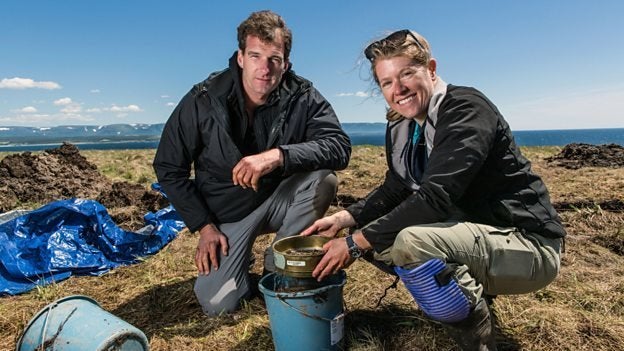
(268, 27)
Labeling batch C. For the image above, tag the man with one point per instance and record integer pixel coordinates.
(263, 144)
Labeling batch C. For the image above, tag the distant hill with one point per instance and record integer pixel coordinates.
(91, 133)
(133, 136)
(123, 132)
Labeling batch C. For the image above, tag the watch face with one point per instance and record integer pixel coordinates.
(355, 252)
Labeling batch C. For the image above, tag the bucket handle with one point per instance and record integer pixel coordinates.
(281, 298)
(45, 343)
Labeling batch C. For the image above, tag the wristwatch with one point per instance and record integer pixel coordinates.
(354, 250)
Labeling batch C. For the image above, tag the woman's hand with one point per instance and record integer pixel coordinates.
(331, 225)
(336, 258)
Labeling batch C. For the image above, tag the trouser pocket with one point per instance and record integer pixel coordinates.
(511, 256)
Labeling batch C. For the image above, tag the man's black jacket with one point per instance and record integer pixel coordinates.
(207, 131)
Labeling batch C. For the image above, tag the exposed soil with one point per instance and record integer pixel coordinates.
(62, 173)
(575, 156)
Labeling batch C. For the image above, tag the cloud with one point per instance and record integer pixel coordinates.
(28, 109)
(71, 109)
(171, 104)
(129, 108)
(94, 110)
(63, 101)
(164, 96)
(26, 83)
(44, 119)
(356, 94)
(95, 91)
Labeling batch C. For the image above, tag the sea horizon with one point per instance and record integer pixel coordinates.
(364, 133)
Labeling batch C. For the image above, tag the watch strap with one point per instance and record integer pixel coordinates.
(354, 250)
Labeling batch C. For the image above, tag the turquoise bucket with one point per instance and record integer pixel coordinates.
(306, 320)
(78, 323)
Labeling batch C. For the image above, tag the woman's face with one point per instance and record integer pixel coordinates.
(406, 86)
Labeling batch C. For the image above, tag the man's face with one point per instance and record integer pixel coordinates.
(262, 65)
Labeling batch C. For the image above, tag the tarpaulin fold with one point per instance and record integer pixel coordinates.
(74, 237)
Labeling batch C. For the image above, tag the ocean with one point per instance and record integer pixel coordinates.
(360, 134)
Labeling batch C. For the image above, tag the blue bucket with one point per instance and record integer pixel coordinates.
(306, 320)
(79, 323)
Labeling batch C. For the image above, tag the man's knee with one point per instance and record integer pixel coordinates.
(317, 188)
(216, 299)
(327, 187)
(327, 179)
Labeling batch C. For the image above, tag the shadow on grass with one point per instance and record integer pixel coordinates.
(398, 328)
(169, 310)
(260, 339)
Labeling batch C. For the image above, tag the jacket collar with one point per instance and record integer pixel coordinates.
(225, 85)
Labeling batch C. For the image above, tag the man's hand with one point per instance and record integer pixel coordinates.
(331, 225)
(249, 169)
(207, 255)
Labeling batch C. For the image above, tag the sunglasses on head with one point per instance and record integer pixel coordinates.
(398, 36)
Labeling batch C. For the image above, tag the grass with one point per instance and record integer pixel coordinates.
(582, 310)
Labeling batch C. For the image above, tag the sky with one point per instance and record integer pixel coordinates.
(544, 64)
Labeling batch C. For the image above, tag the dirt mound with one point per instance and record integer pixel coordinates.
(62, 173)
(575, 156)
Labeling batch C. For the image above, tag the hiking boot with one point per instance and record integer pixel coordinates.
(476, 332)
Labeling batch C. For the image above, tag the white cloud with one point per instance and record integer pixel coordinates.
(94, 110)
(356, 94)
(129, 108)
(164, 96)
(28, 109)
(62, 102)
(590, 109)
(44, 119)
(71, 109)
(94, 91)
(26, 83)
(171, 104)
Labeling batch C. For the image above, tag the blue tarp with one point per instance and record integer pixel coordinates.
(74, 237)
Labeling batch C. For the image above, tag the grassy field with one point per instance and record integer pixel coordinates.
(582, 310)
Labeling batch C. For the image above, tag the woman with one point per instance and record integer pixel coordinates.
(459, 206)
